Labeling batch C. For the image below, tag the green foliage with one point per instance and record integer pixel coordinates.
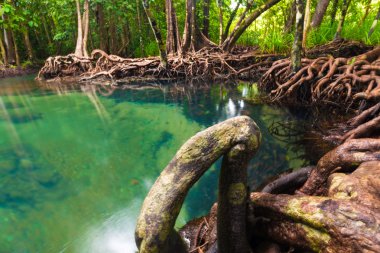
(27, 64)
(52, 27)
(61, 36)
(151, 49)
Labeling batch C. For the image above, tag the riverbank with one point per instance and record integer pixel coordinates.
(206, 64)
(16, 71)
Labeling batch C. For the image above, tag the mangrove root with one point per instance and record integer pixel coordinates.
(238, 139)
(207, 63)
(325, 80)
(365, 124)
(346, 156)
(347, 220)
(288, 183)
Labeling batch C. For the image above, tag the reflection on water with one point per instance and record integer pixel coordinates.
(77, 161)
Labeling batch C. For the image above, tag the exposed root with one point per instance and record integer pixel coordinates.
(346, 220)
(345, 81)
(64, 66)
(288, 182)
(207, 63)
(347, 156)
(338, 48)
(365, 124)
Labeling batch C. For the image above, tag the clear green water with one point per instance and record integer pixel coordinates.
(75, 165)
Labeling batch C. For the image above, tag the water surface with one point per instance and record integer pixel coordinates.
(76, 161)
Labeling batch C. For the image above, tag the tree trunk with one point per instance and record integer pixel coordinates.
(232, 17)
(28, 44)
(173, 43)
(374, 24)
(37, 37)
(125, 39)
(193, 25)
(193, 39)
(139, 24)
(79, 45)
(206, 18)
(47, 34)
(334, 10)
(187, 30)
(3, 51)
(245, 22)
(113, 36)
(297, 43)
(319, 13)
(103, 45)
(86, 24)
(367, 8)
(231, 213)
(9, 44)
(291, 18)
(157, 35)
(18, 62)
(345, 5)
(306, 24)
(220, 7)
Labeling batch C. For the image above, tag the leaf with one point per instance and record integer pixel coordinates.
(31, 23)
(352, 61)
(7, 9)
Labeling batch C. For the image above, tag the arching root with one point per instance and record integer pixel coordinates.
(343, 81)
(207, 63)
(346, 220)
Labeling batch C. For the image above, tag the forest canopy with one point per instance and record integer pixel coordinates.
(40, 28)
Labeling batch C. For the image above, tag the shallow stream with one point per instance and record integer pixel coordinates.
(77, 161)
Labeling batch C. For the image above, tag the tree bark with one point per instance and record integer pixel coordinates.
(232, 17)
(374, 24)
(347, 155)
(245, 22)
(47, 34)
(86, 24)
(17, 55)
(306, 24)
(345, 5)
(367, 8)
(232, 201)
(139, 23)
(157, 34)
(206, 18)
(334, 10)
(291, 17)
(346, 220)
(125, 39)
(9, 44)
(297, 43)
(238, 138)
(220, 7)
(3, 51)
(112, 34)
(319, 13)
(103, 45)
(187, 30)
(173, 42)
(79, 45)
(193, 39)
(28, 45)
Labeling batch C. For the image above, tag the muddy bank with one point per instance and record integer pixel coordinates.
(209, 63)
(15, 71)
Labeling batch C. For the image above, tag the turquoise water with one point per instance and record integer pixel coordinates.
(76, 161)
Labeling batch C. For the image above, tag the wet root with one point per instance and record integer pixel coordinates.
(325, 80)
